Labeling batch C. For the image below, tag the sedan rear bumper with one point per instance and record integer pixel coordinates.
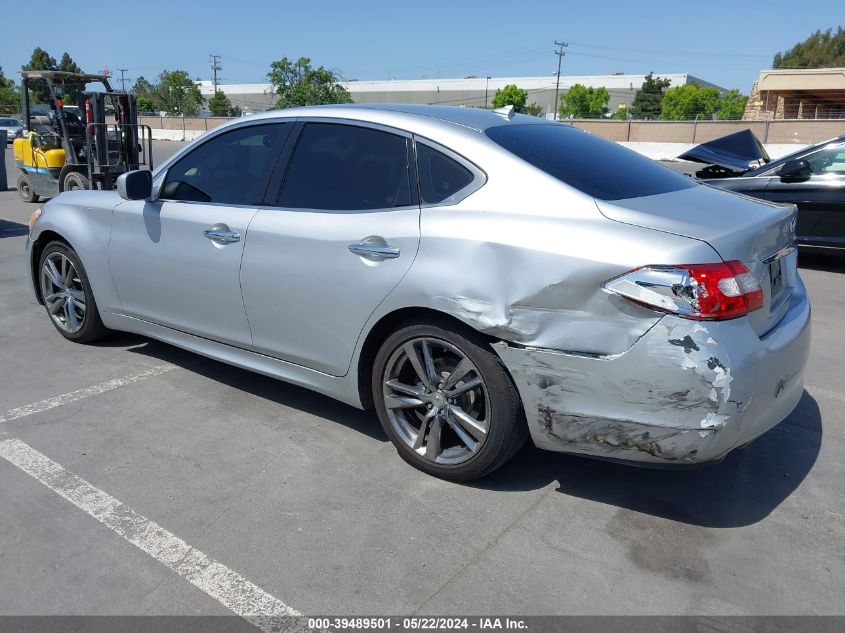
(686, 392)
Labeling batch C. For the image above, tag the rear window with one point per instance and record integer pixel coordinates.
(9, 122)
(597, 167)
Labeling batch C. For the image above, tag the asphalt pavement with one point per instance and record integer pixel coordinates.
(301, 500)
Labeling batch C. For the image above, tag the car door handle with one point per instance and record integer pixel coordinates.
(220, 234)
(374, 250)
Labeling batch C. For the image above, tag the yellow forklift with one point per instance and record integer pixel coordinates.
(62, 151)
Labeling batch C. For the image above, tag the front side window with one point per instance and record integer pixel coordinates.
(441, 177)
(232, 168)
(343, 167)
(828, 161)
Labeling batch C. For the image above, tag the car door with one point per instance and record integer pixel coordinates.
(176, 260)
(342, 233)
(820, 197)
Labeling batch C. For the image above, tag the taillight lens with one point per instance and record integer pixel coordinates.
(705, 292)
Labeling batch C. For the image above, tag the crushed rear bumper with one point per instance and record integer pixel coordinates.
(686, 392)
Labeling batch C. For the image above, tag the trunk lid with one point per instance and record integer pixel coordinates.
(735, 151)
(757, 233)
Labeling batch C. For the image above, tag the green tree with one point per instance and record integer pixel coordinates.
(219, 105)
(581, 102)
(298, 84)
(511, 95)
(66, 64)
(534, 109)
(731, 105)
(144, 95)
(9, 96)
(175, 93)
(823, 49)
(40, 60)
(687, 102)
(649, 98)
(623, 113)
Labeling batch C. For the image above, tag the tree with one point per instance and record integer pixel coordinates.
(581, 102)
(731, 105)
(649, 98)
(511, 95)
(9, 97)
(40, 60)
(298, 84)
(144, 95)
(823, 49)
(220, 105)
(533, 109)
(175, 93)
(623, 113)
(687, 102)
(66, 64)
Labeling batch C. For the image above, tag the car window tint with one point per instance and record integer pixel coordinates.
(440, 176)
(344, 167)
(229, 169)
(828, 161)
(597, 167)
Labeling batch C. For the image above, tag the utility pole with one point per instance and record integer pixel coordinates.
(215, 66)
(123, 72)
(560, 53)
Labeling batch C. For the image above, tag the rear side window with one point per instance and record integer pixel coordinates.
(597, 167)
(440, 176)
(343, 167)
(232, 168)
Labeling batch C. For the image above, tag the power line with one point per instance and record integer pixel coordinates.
(560, 53)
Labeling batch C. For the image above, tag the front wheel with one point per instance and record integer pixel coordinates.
(75, 181)
(67, 294)
(25, 189)
(446, 401)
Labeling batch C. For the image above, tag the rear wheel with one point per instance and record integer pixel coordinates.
(74, 181)
(446, 401)
(25, 189)
(67, 294)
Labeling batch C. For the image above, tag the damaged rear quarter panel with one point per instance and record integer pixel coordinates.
(526, 264)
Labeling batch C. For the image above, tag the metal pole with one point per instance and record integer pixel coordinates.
(486, 86)
(560, 55)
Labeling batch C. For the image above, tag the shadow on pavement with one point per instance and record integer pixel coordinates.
(742, 490)
(12, 229)
(365, 422)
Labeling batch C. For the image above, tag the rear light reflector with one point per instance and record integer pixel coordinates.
(704, 292)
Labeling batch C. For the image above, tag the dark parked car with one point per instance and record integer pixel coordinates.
(813, 178)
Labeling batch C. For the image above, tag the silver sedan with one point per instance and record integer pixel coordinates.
(476, 277)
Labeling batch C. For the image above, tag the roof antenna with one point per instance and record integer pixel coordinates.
(505, 111)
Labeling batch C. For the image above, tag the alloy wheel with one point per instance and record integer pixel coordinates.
(436, 400)
(63, 292)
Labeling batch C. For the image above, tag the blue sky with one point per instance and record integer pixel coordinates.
(726, 43)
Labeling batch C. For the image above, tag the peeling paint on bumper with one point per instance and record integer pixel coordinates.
(686, 392)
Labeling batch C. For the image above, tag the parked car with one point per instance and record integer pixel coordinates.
(12, 126)
(474, 276)
(812, 178)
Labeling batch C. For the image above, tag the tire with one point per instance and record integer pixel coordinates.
(74, 181)
(480, 407)
(72, 309)
(25, 189)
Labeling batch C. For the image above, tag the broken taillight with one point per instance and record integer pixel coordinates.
(705, 292)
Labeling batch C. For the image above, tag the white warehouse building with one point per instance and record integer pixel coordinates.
(469, 91)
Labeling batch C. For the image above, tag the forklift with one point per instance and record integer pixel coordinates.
(62, 152)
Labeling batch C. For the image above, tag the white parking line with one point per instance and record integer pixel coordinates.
(79, 394)
(221, 583)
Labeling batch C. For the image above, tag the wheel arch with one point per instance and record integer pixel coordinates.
(44, 238)
(383, 328)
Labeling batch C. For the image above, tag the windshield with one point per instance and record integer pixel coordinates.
(597, 167)
(10, 122)
(801, 153)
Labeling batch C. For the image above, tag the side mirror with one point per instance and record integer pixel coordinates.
(796, 168)
(135, 185)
